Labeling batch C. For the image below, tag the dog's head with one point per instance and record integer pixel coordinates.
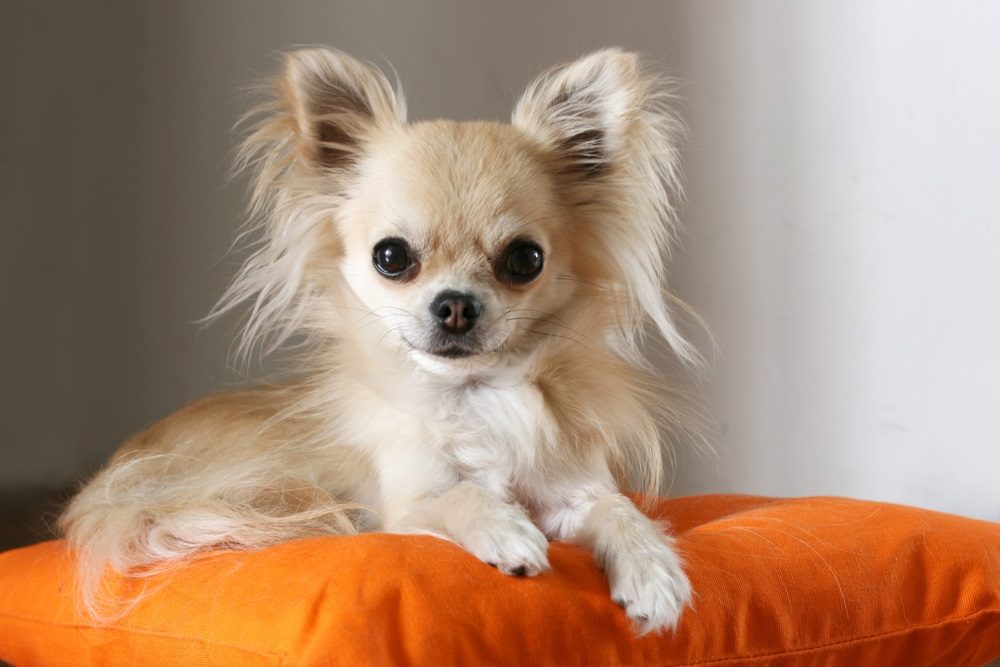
(454, 239)
(462, 244)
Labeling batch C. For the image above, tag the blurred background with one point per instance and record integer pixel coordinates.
(842, 227)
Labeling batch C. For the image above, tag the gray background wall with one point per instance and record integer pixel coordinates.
(841, 216)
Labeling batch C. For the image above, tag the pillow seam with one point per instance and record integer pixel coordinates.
(264, 653)
(818, 647)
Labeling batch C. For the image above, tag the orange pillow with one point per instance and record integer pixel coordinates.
(778, 582)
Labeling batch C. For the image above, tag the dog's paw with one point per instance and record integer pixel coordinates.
(507, 540)
(652, 588)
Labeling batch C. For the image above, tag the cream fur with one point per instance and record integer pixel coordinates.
(532, 436)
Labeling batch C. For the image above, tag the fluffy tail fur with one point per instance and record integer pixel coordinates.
(148, 510)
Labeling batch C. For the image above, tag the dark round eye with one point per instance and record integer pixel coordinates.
(521, 262)
(392, 258)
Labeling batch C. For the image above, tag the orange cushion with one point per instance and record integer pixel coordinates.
(778, 582)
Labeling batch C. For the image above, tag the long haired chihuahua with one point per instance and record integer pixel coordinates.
(469, 300)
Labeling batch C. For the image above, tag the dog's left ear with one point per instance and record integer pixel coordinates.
(584, 110)
(613, 145)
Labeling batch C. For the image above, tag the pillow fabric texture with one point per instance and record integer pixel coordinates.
(807, 581)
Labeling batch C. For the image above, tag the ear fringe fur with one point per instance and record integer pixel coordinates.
(633, 206)
(293, 196)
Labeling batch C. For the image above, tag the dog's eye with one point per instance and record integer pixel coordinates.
(392, 258)
(521, 262)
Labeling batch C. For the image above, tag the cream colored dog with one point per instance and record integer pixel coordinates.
(469, 300)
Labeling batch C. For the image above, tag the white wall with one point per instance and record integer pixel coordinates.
(845, 236)
(842, 215)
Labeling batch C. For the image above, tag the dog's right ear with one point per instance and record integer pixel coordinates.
(305, 139)
(334, 103)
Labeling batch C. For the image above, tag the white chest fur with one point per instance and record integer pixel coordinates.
(492, 433)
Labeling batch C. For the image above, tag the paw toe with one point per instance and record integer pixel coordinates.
(653, 598)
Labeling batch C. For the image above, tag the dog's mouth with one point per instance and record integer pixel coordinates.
(448, 349)
(452, 352)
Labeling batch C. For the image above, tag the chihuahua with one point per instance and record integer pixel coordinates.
(468, 302)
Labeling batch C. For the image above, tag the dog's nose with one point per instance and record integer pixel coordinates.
(456, 312)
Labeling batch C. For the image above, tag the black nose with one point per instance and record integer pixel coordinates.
(456, 312)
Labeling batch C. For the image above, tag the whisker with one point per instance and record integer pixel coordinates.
(575, 279)
(386, 333)
(555, 335)
(546, 316)
(558, 324)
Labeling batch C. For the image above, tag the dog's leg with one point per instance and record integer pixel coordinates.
(419, 496)
(486, 525)
(644, 571)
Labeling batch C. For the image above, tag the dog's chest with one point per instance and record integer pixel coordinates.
(492, 430)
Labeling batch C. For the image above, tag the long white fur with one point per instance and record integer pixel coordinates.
(531, 439)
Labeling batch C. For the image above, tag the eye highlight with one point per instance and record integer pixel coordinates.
(393, 259)
(521, 262)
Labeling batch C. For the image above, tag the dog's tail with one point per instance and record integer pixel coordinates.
(148, 512)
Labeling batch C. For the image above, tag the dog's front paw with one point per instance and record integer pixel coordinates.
(651, 586)
(508, 540)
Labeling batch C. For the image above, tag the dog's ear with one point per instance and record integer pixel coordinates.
(613, 143)
(335, 102)
(583, 110)
(312, 126)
